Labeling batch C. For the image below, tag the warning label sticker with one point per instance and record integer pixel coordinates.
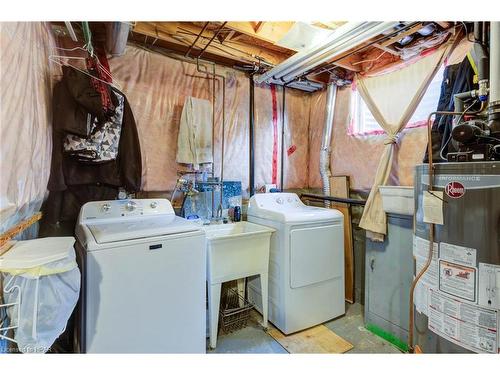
(467, 325)
(457, 280)
(421, 299)
(421, 248)
(489, 285)
(457, 254)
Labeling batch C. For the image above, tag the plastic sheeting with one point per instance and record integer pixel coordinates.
(353, 155)
(25, 118)
(296, 142)
(156, 87)
(264, 134)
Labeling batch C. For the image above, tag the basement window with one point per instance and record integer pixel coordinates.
(363, 123)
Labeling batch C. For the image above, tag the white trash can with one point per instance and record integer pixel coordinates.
(41, 286)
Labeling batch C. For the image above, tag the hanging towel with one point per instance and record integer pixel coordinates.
(194, 143)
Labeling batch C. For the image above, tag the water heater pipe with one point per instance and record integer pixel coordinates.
(116, 37)
(325, 153)
(494, 61)
(427, 264)
(494, 103)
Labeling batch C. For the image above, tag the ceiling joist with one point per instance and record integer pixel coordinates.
(183, 34)
(243, 43)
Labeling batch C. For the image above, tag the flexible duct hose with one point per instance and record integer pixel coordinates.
(325, 153)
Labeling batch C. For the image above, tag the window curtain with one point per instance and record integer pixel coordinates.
(392, 99)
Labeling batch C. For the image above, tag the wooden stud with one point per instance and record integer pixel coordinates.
(387, 49)
(17, 229)
(339, 187)
(238, 36)
(271, 33)
(258, 26)
(443, 24)
(330, 25)
(230, 35)
(346, 63)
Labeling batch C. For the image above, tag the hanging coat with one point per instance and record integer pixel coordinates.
(73, 182)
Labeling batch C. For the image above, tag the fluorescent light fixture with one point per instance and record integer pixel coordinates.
(341, 40)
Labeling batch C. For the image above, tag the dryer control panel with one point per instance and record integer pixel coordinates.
(125, 208)
(277, 201)
(287, 207)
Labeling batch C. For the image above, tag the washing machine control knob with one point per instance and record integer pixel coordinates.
(279, 200)
(153, 205)
(106, 207)
(131, 206)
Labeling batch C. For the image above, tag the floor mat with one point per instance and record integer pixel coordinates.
(318, 339)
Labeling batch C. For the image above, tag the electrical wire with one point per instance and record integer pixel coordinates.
(467, 32)
(369, 60)
(449, 137)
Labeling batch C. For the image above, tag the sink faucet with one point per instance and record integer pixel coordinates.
(217, 219)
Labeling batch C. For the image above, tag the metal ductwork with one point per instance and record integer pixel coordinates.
(116, 37)
(326, 151)
(341, 40)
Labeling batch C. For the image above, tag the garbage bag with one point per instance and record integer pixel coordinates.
(47, 294)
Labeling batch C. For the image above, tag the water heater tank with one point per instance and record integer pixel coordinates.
(457, 301)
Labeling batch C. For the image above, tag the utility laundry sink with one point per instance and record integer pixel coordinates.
(235, 251)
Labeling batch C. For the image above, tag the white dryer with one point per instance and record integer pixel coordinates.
(143, 271)
(306, 264)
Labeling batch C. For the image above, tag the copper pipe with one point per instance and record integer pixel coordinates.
(431, 226)
(196, 39)
(211, 39)
(223, 78)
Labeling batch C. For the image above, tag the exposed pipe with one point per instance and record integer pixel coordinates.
(211, 39)
(282, 169)
(71, 31)
(482, 60)
(494, 107)
(431, 226)
(223, 140)
(196, 39)
(223, 79)
(325, 153)
(251, 126)
(459, 104)
(483, 73)
(358, 202)
(116, 37)
(478, 31)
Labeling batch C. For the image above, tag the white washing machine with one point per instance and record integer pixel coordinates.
(143, 271)
(306, 263)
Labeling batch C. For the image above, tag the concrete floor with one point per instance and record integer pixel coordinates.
(253, 339)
